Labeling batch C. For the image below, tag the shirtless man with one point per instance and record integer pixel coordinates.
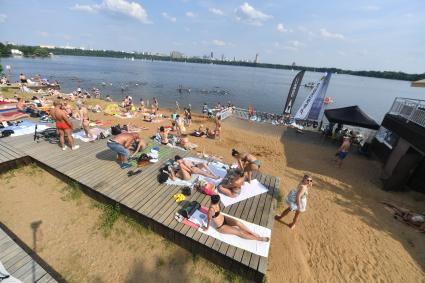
(20, 105)
(122, 143)
(84, 117)
(63, 125)
(343, 151)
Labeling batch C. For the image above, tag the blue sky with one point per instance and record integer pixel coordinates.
(367, 35)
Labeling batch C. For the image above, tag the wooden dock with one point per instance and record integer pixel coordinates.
(19, 263)
(152, 204)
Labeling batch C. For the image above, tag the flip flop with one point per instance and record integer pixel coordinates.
(132, 173)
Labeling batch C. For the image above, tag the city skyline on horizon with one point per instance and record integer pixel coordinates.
(366, 37)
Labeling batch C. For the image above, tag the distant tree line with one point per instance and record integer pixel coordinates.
(36, 51)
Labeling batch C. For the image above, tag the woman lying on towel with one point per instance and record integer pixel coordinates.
(188, 168)
(185, 143)
(247, 162)
(228, 225)
(233, 187)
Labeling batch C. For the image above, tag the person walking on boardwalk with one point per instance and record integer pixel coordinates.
(63, 125)
(297, 200)
(122, 144)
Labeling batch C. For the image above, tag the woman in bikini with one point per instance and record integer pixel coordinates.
(247, 162)
(297, 200)
(163, 133)
(195, 168)
(233, 187)
(229, 225)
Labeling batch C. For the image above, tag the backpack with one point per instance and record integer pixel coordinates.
(116, 130)
(6, 133)
(189, 208)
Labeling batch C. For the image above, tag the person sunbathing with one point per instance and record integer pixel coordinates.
(229, 225)
(185, 143)
(195, 168)
(201, 132)
(247, 162)
(233, 187)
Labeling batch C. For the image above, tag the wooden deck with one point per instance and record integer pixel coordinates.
(10, 156)
(152, 204)
(19, 263)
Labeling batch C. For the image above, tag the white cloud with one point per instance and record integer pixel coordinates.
(85, 8)
(248, 14)
(371, 8)
(190, 14)
(131, 9)
(327, 34)
(281, 28)
(218, 42)
(168, 17)
(293, 45)
(216, 11)
(3, 18)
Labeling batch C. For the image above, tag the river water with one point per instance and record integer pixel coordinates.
(265, 89)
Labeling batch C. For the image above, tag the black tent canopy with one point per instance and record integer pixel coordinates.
(352, 115)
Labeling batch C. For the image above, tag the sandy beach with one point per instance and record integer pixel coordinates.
(345, 235)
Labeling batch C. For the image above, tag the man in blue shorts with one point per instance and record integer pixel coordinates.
(343, 151)
(122, 144)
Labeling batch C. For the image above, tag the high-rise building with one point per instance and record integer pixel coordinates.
(212, 55)
(256, 61)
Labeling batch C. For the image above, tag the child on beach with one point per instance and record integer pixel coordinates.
(297, 200)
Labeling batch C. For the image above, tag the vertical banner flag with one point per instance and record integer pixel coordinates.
(312, 105)
(293, 91)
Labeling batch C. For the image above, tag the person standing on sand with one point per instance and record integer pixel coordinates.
(343, 151)
(121, 145)
(297, 200)
(142, 105)
(84, 116)
(63, 125)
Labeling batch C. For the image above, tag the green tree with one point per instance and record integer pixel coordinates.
(41, 52)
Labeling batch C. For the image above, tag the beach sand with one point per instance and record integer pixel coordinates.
(345, 234)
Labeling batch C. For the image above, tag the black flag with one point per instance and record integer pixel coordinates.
(293, 91)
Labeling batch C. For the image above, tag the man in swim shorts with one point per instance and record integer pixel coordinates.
(121, 145)
(343, 151)
(63, 125)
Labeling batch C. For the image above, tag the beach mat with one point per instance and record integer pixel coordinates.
(25, 128)
(199, 218)
(81, 135)
(247, 191)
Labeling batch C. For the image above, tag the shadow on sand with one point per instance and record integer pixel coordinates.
(358, 190)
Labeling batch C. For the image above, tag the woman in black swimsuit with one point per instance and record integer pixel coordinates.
(229, 225)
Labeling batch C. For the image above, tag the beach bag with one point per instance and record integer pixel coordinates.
(189, 209)
(116, 130)
(6, 133)
(105, 133)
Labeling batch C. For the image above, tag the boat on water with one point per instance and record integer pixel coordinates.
(310, 84)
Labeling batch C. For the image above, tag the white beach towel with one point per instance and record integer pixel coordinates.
(25, 128)
(215, 167)
(247, 191)
(81, 135)
(255, 247)
(6, 275)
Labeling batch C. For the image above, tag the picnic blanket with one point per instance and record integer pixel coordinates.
(9, 112)
(248, 190)
(25, 128)
(146, 150)
(256, 247)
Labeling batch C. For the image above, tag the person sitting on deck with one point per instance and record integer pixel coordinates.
(229, 225)
(195, 168)
(247, 162)
(233, 187)
(163, 133)
(297, 200)
(63, 125)
(121, 145)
